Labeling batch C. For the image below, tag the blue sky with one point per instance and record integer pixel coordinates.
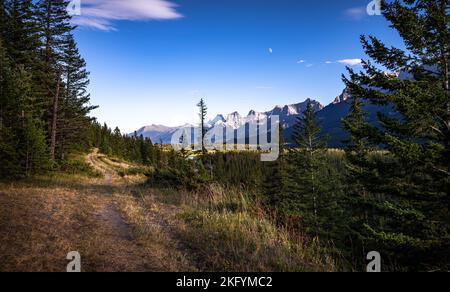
(152, 60)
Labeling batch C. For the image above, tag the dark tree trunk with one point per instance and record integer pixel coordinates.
(55, 117)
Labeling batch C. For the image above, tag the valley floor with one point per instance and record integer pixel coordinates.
(106, 220)
(118, 224)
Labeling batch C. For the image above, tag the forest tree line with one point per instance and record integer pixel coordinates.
(44, 103)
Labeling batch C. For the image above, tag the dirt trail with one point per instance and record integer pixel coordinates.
(93, 159)
(103, 219)
(122, 204)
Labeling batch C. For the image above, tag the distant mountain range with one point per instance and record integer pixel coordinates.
(159, 134)
(329, 117)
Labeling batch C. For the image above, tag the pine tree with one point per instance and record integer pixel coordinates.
(407, 183)
(203, 111)
(357, 146)
(23, 33)
(105, 147)
(118, 142)
(145, 155)
(357, 183)
(55, 27)
(275, 184)
(309, 193)
(74, 109)
(22, 39)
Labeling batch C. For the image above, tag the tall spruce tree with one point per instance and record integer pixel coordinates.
(311, 193)
(406, 184)
(23, 41)
(274, 183)
(203, 111)
(144, 150)
(74, 108)
(358, 155)
(55, 27)
(23, 33)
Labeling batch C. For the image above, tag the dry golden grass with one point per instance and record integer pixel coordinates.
(153, 230)
(39, 226)
(227, 232)
(238, 242)
(44, 219)
(117, 224)
(36, 228)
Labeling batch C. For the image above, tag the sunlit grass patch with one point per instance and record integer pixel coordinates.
(229, 232)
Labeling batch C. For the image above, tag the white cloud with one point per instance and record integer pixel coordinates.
(329, 62)
(356, 13)
(100, 14)
(309, 65)
(301, 61)
(350, 62)
(270, 50)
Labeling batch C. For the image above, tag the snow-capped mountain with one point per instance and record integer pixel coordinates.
(254, 116)
(294, 109)
(288, 116)
(289, 113)
(159, 133)
(234, 120)
(345, 95)
(153, 129)
(329, 117)
(218, 120)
